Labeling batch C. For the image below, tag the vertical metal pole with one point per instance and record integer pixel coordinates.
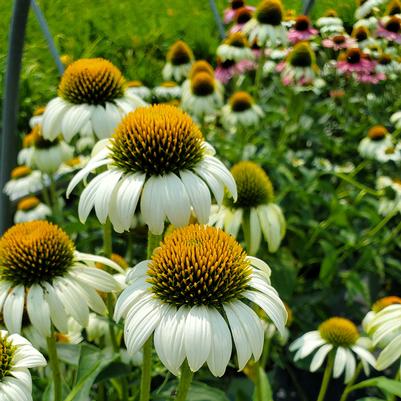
(8, 138)
(217, 19)
(308, 5)
(49, 38)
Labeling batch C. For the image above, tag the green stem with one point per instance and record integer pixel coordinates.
(258, 383)
(107, 239)
(347, 390)
(54, 363)
(259, 72)
(326, 377)
(266, 352)
(57, 213)
(185, 382)
(153, 243)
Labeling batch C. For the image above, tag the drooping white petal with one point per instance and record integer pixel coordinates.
(255, 232)
(94, 300)
(319, 357)
(100, 123)
(23, 375)
(365, 354)
(38, 310)
(96, 278)
(339, 362)
(52, 118)
(197, 337)
(299, 342)
(88, 257)
(57, 311)
(349, 366)
(74, 119)
(14, 308)
(128, 298)
(214, 184)
(4, 288)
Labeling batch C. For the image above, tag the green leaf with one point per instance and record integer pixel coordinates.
(371, 399)
(265, 388)
(383, 383)
(329, 264)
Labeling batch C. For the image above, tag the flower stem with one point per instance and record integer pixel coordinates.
(107, 239)
(185, 382)
(346, 391)
(259, 71)
(52, 351)
(326, 377)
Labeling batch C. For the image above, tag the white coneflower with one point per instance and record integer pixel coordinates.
(197, 67)
(330, 23)
(17, 355)
(24, 181)
(37, 116)
(339, 338)
(71, 165)
(254, 210)
(167, 91)
(385, 329)
(392, 153)
(241, 110)
(204, 96)
(396, 119)
(377, 307)
(31, 208)
(366, 7)
(378, 138)
(40, 270)
(180, 294)
(179, 61)
(235, 47)
(47, 156)
(361, 34)
(266, 26)
(92, 98)
(390, 202)
(388, 65)
(137, 88)
(157, 155)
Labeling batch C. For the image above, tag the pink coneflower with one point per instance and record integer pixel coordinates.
(235, 5)
(227, 69)
(372, 77)
(390, 29)
(241, 17)
(354, 61)
(338, 42)
(302, 30)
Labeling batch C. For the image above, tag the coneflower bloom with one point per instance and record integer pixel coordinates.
(191, 296)
(242, 16)
(92, 98)
(254, 211)
(377, 307)
(396, 119)
(266, 26)
(37, 116)
(228, 69)
(387, 64)
(47, 156)
(385, 330)
(394, 8)
(390, 202)
(390, 29)
(167, 91)
(42, 273)
(366, 7)
(339, 337)
(241, 111)
(330, 23)
(23, 182)
(361, 35)
(300, 66)
(17, 356)
(25, 154)
(235, 47)
(158, 156)
(338, 42)
(137, 88)
(235, 5)
(354, 61)
(179, 61)
(301, 30)
(31, 208)
(391, 153)
(378, 138)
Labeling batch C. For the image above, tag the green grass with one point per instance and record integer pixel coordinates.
(134, 35)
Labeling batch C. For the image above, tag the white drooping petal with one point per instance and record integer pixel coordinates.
(14, 308)
(214, 184)
(255, 232)
(4, 288)
(52, 118)
(57, 311)
(389, 355)
(221, 346)
(349, 366)
(197, 337)
(320, 356)
(74, 120)
(38, 310)
(96, 278)
(339, 362)
(169, 338)
(101, 123)
(88, 257)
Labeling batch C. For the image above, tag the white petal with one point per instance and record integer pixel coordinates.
(320, 356)
(339, 362)
(96, 278)
(57, 311)
(23, 375)
(4, 288)
(128, 298)
(52, 118)
(214, 184)
(95, 301)
(14, 309)
(100, 123)
(255, 232)
(88, 257)
(74, 119)
(38, 310)
(349, 366)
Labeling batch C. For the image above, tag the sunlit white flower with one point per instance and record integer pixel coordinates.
(37, 117)
(31, 208)
(366, 7)
(390, 202)
(396, 119)
(43, 274)
(167, 91)
(339, 338)
(391, 153)
(236, 48)
(388, 65)
(330, 23)
(156, 158)
(17, 356)
(71, 165)
(92, 99)
(179, 61)
(254, 211)
(211, 274)
(137, 88)
(24, 181)
(378, 139)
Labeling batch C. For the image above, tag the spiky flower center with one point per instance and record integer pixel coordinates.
(92, 81)
(157, 140)
(179, 53)
(237, 39)
(27, 204)
(353, 56)
(39, 142)
(331, 13)
(243, 16)
(241, 101)
(382, 303)
(134, 84)
(201, 66)
(394, 7)
(7, 351)
(301, 55)
(302, 23)
(377, 132)
(384, 59)
(202, 84)
(35, 252)
(393, 25)
(270, 12)
(235, 4)
(360, 34)
(339, 332)
(199, 265)
(253, 185)
(20, 172)
(339, 39)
